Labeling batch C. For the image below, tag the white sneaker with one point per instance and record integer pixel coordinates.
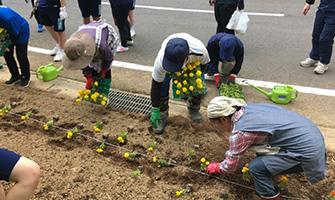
(132, 33)
(130, 42)
(53, 51)
(209, 78)
(58, 57)
(320, 68)
(308, 62)
(121, 49)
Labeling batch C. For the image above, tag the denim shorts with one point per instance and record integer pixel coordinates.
(8, 160)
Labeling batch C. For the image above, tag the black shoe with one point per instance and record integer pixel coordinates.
(24, 82)
(13, 80)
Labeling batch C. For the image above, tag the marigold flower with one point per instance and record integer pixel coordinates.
(178, 73)
(126, 155)
(184, 89)
(103, 103)
(199, 73)
(178, 193)
(191, 88)
(87, 92)
(200, 86)
(194, 66)
(96, 83)
(284, 179)
(80, 92)
(96, 129)
(178, 92)
(179, 85)
(175, 82)
(120, 139)
(198, 81)
(105, 99)
(203, 160)
(150, 149)
(207, 163)
(23, 117)
(185, 75)
(184, 68)
(189, 67)
(100, 150)
(1, 114)
(197, 63)
(96, 94)
(6, 111)
(78, 100)
(86, 97)
(69, 137)
(191, 74)
(154, 159)
(69, 134)
(245, 169)
(185, 82)
(93, 96)
(332, 193)
(46, 127)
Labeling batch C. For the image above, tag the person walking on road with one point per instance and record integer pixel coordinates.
(285, 142)
(18, 29)
(322, 36)
(132, 19)
(177, 50)
(223, 10)
(90, 8)
(226, 52)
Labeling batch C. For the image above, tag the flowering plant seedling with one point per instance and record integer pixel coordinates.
(188, 81)
(181, 191)
(191, 153)
(162, 162)
(283, 182)
(123, 137)
(152, 145)
(98, 126)
(132, 154)
(26, 115)
(331, 195)
(92, 95)
(246, 174)
(101, 147)
(6, 109)
(48, 124)
(232, 91)
(5, 40)
(204, 164)
(72, 133)
(136, 173)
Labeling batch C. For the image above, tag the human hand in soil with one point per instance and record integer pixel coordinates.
(213, 168)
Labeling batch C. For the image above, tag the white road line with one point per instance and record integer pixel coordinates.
(262, 84)
(200, 11)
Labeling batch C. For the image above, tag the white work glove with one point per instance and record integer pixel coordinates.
(62, 13)
(36, 2)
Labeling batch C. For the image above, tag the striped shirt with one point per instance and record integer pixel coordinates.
(239, 141)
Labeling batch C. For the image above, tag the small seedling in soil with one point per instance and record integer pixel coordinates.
(331, 195)
(98, 126)
(101, 147)
(26, 115)
(203, 164)
(123, 138)
(132, 154)
(283, 182)
(162, 162)
(152, 146)
(246, 174)
(72, 133)
(48, 124)
(191, 153)
(181, 191)
(136, 173)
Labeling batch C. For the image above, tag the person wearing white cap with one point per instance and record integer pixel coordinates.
(285, 142)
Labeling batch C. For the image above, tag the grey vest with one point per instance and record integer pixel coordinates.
(299, 139)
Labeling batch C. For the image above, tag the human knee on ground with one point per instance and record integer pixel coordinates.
(26, 172)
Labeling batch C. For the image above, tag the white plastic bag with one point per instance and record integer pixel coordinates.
(242, 23)
(234, 20)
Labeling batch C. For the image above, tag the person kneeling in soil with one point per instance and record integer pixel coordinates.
(24, 172)
(285, 142)
(176, 51)
(226, 52)
(92, 49)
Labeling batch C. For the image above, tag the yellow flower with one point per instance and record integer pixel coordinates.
(175, 82)
(80, 92)
(1, 114)
(86, 97)
(184, 68)
(6, 111)
(178, 92)
(100, 150)
(185, 82)
(194, 66)
(200, 86)
(96, 83)
(103, 103)
(184, 89)
(207, 163)
(179, 85)
(154, 159)
(126, 155)
(191, 88)
(46, 127)
(185, 75)
(120, 139)
(203, 160)
(178, 73)
(191, 74)
(69, 134)
(198, 81)
(87, 92)
(68, 137)
(197, 63)
(96, 129)
(189, 67)
(105, 99)
(78, 100)
(199, 73)
(96, 94)
(100, 96)
(245, 169)
(93, 96)
(178, 193)
(23, 117)
(150, 149)
(284, 179)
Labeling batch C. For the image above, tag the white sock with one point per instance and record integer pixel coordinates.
(61, 50)
(57, 45)
(132, 28)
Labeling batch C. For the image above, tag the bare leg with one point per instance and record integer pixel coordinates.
(26, 174)
(52, 33)
(2, 193)
(96, 18)
(61, 39)
(86, 20)
(131, 18)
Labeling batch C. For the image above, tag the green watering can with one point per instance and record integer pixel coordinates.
(280, 94)
(48, 72)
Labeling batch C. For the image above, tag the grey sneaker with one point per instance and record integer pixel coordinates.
(130, 42)
(309, 62)
(320, 68)
(58, 57)
(54, 51)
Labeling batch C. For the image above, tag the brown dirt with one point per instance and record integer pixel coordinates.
(72, 169)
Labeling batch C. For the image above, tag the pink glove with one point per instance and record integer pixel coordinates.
(213, 168)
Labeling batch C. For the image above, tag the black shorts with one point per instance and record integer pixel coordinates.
(90, 8)
(8, 160)
(133, 5)
(50, 17)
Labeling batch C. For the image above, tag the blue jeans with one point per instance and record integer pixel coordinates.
(323, 36)
(263, 178)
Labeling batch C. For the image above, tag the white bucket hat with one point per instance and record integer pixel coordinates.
(222, 106)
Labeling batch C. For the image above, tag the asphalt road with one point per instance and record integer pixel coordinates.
(274, 46)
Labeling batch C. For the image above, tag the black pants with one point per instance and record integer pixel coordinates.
(120, 15)
(22, 57)
(223, 13)
(36, 14)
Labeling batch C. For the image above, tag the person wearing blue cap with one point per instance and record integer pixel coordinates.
(176, 51)
(228, 50)
(322, 36)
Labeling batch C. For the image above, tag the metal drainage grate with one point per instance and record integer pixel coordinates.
(129, 102)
